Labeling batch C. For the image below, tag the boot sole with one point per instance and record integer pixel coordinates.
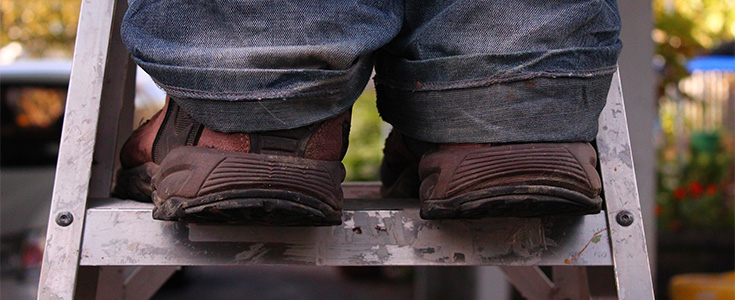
(135, 183)
(256, 207)
(513, 180)
(240, 188)
(513, 201)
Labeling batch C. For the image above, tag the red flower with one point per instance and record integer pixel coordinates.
(696, 188)
(711, 190)
(658, 210)
(679, 193)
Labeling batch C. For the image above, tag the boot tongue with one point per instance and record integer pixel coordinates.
(177, 129)
(291, 142)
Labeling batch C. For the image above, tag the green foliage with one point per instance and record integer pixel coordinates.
(692, 186)
(45, 28)
(694, 173)
(366, 140)
(687, 28)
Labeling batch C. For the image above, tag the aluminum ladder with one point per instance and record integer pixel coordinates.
(93, 241)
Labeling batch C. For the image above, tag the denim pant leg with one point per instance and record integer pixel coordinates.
(499, 71)
(240, 65)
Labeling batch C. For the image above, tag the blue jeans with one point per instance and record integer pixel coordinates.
(447, 71)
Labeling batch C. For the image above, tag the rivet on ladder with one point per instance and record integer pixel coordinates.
(64, 218)
(624, 218)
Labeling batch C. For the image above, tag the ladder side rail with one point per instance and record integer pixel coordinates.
(66, 222)
(624, 219)
(116, 109)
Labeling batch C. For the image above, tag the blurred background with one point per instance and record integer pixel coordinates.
(678, 72)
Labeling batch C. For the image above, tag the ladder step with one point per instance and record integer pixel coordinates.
(122, 232)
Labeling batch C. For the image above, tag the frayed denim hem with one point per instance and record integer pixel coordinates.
(541, 109)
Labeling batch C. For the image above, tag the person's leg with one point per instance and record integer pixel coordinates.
(509, 73)
(243, 66)
(499, 71)
(258, 112)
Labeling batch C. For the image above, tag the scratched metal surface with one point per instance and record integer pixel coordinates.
(621, 194)
(124, 234)
(71, 186)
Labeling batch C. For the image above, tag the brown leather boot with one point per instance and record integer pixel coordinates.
(456, 181)
(399, 171)
(193, 174)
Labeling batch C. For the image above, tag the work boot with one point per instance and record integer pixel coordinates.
(458, 181)
(399, 171)
(196, 175)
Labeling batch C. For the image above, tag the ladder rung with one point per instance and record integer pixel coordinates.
(123, 233)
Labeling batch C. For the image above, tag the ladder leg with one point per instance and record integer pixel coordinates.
(630, 254)
(531, 282)
(88, 84)
(572, 282)
(116, 110)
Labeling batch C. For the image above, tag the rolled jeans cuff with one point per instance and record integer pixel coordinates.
(249, 100)
(541, 108)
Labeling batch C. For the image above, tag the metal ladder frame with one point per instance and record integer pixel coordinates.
(98, 117)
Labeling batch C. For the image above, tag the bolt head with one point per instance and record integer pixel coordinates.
(624, 218)
(64, 218)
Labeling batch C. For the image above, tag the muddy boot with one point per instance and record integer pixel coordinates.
(196, 175)
(399, 171)
(460, 181)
